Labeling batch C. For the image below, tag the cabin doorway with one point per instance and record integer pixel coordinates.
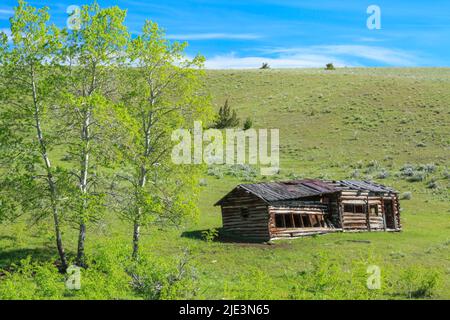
(389, 214)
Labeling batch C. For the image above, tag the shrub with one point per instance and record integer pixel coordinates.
(158, 279)
(242, 171)
(407, 170)
(383, 174)
(248, 124)
(210, 235)
(355, 174)
(327, 279)
(446, 174)
(112, 274)
(32, 281)
(421, 145)
(254, 284)
(329, 66)
(429, 167)
(417, 173)
(418, 282)
(406, 196)
(215, 172)
(358, 165)
(373, 164)
(416, 177)
(432, 184)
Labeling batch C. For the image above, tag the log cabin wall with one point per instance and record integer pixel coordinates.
(332, 202)
(245, 215)
(367, 211)
(391, 202)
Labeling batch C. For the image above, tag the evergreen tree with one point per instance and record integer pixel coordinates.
(227, 118)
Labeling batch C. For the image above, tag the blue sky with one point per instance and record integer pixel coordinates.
(289, 33)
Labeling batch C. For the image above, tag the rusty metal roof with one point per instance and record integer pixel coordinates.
(289, 190)
(298, 189)
(365, 186)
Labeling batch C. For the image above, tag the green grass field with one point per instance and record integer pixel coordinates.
(348, 123)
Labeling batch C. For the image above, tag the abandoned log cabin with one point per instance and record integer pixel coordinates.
(265, 211)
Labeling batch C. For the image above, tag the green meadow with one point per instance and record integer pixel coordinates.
(383, 124)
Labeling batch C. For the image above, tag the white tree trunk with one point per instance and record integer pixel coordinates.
(49, 178)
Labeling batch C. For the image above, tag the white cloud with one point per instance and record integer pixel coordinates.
(316, 56)
(213, 36)
(6, 13)
(368, 39)
(232, 61)
(387, 56)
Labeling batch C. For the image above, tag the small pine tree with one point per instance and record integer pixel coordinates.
(248, 124)
(226, 118)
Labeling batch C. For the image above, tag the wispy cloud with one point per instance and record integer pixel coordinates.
(214, 36)
(5, 13)
(316, 56)
(379, 54)
(232, 61)
(369, 39)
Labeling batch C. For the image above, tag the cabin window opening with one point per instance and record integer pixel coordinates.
(319, 222)
(296, 220)
(354, 208)
(373, 210)
(349, 208)
(279, 221)
(316, 221)
(306, 221)
(289, 221)
(245, 212)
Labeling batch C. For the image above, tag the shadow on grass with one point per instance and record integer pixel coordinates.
(8, 257)
(223, 237)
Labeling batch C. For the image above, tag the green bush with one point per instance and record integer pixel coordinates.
(158, 279)
(29, 280)
(446, 174)
(433, 184)
(253, 284)
(329, 66)
(383, 174)
(327, 279)
(111, 274)
(406, 196)
(248, 124)
(418, 282)
(416, 177)
(210, 235)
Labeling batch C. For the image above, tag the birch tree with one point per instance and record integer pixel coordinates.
(92, 53)
(165, 93)
(29, 177)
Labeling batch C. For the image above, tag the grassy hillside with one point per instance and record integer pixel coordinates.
(390, 125)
